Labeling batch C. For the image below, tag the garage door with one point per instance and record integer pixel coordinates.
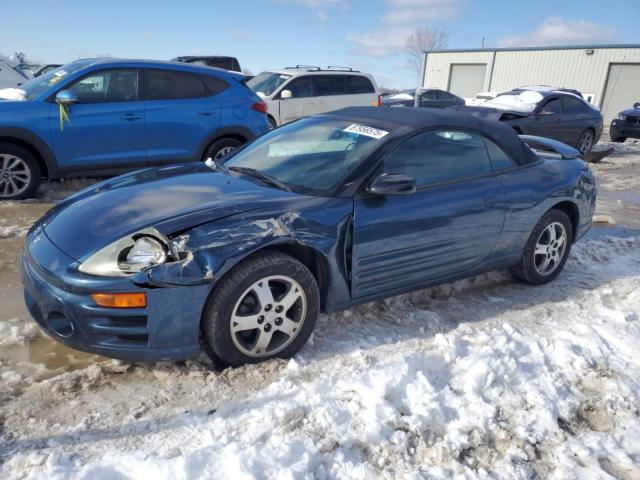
(622, 90)
(467, 79)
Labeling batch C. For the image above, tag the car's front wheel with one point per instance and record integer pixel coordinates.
(265, 308)
(19, 172)
(585, 142)
(547, 249)
(620, 139)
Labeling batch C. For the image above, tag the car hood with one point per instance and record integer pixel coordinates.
(170, 199)
(630, 111)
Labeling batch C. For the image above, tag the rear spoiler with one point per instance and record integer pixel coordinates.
(548, 145)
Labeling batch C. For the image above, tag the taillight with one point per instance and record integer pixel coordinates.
(379, 100)
(260, 107)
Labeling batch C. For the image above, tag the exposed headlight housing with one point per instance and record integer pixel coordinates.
(620, 116)
(129, 255)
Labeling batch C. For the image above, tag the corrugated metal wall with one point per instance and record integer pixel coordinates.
(571, 68)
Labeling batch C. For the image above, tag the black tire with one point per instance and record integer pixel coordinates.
(221, 343)
(272, 122)
(526, 269)
(219, 148)
(15, 188)
(620, 139)
(586, 141)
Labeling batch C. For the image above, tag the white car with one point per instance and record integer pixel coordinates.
(300, 91)
(480, 98)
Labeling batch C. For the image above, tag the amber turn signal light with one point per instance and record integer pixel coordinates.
(120, 300)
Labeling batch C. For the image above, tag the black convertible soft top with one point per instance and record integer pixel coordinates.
(406, 120)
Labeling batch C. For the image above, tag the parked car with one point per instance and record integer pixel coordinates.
(626, 124)
(113, 124)
(301, 91)
(552, 113)
(10, 76)
(46, 68)
(318, 215)
(480, 98)
(431, 98)
(218, 61)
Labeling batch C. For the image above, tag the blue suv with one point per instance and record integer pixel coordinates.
(106, 116)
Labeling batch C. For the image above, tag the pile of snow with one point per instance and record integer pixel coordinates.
(17, 332)
(13, 94)
(481, 378)
(524, 102)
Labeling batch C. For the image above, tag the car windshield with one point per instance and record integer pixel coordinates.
(311, 156)
(266, 83)
(41, 84)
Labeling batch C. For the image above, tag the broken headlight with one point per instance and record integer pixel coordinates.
(129, 255)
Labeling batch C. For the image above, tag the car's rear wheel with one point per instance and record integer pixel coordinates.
(585, 142)
(221, 148)
(547, 249)
(265, 308)
(19, 172)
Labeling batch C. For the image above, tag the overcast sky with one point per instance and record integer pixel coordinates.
(367, 34)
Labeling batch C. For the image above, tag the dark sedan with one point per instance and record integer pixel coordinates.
(626, 124)
(431, 98)
(556, 114)
(318, 215)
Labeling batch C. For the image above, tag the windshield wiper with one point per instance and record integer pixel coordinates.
(261, 176)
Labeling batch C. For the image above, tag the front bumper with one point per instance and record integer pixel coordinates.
(619, 128)
(59, 299)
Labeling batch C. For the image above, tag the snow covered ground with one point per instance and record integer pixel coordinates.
(484, 378)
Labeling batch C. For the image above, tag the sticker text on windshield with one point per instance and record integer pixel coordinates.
(367, 131)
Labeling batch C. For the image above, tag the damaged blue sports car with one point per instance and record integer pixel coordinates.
(239, 257)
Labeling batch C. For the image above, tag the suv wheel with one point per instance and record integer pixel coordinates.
(19, 172)
(272, 123)
(547, 249)
(265, 308)
(221, 148)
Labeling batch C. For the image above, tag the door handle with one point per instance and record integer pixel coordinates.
(490, 201)
(131, 116)
(206, 113)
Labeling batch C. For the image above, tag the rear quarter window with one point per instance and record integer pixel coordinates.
(361, 84)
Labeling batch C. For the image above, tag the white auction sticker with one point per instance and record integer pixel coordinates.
(366, 131)
(60, 73)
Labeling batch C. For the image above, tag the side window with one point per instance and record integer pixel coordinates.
(429, 95)
(499, 158)
(331, 85)
(301, 87)
(552, 107)
(107, 86)
(446, 96)
(439, 156)
(214, 85)
(573, 106)
(169, 85)
(360, 84)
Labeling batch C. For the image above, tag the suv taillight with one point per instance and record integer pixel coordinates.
(379, 100)
(260, 107)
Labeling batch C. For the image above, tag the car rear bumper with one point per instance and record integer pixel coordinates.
(59, 300)
(620, 129)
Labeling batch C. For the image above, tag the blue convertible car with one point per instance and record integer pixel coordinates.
(241, 255)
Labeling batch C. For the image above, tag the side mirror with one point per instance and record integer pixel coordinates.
(66, 97)
(284, 94)
(392, 184)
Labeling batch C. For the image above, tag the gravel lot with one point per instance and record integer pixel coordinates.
(481, 377)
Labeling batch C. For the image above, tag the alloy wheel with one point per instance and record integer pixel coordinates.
(223, 152)
(15, 175)
(550, 248)
(586, 141)
(268, 316)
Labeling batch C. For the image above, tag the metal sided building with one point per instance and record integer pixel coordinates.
(607, 75)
